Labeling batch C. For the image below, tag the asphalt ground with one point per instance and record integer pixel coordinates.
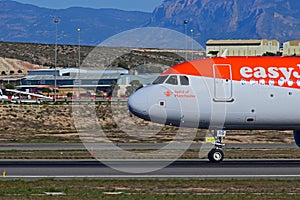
(127, 169)
(148, 146)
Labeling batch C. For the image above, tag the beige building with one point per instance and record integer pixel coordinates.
(291, 48)
(241, 47)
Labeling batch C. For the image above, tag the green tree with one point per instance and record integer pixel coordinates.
(113, 89)
(46, 90)
(69, 94)
(134, 86)
(123, 65)
(10, 86)
(269, 54)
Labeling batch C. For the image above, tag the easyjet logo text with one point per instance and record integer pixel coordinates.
(286, 73)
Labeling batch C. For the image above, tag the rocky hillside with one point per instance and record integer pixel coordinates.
(231, 19)
(108, 57)
(16, 67)
(43, 54)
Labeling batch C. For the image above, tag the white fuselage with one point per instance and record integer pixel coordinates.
(220, 104)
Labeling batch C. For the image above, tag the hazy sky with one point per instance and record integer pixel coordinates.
(140, 5)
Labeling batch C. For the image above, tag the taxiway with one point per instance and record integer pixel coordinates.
(195, 169)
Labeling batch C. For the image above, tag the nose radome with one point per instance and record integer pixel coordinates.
(138, 103)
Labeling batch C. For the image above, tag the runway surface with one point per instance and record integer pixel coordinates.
(197, 169)
(149, 146)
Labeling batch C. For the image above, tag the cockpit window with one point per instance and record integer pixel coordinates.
(172, 80)
(184, 80)
(160, 80)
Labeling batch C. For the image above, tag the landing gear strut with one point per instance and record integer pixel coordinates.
(216, 155)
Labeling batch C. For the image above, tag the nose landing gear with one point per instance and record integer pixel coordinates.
(216, 155)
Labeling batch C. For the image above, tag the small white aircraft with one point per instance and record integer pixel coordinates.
(29, 95)
(233, 93)
(2, 96)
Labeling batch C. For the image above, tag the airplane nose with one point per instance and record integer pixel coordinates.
(138, 103)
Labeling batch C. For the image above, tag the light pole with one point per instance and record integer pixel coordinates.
(79, 81)
(192, 32)
(185, 30)
(56, 20)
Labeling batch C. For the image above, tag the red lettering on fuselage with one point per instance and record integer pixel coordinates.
(184, 94)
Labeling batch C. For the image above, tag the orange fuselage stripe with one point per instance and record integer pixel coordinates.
(277, 71)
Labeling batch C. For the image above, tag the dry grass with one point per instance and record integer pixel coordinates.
(152, 189)
(55, 123)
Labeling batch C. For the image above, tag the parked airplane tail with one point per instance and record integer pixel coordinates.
(297, 137)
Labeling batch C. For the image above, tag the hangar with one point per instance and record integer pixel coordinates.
(291, 48)
(242, 47)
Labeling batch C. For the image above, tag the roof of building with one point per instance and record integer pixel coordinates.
(240, 42)
(294, 43)
(143, 78)
(73, 74)
(73, 77)
(75, 71)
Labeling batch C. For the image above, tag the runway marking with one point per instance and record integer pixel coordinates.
(157, 176)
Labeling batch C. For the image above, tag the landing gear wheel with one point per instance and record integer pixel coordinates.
(216, 155)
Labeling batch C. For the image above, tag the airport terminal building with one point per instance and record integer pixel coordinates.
(291, 48)
(86, 82)
(70, 78)
(241, 47)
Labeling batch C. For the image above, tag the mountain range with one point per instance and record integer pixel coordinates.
(232, 19)
(209, 19)
(28, 23)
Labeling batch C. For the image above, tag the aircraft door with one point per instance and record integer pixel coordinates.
(222, 83)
